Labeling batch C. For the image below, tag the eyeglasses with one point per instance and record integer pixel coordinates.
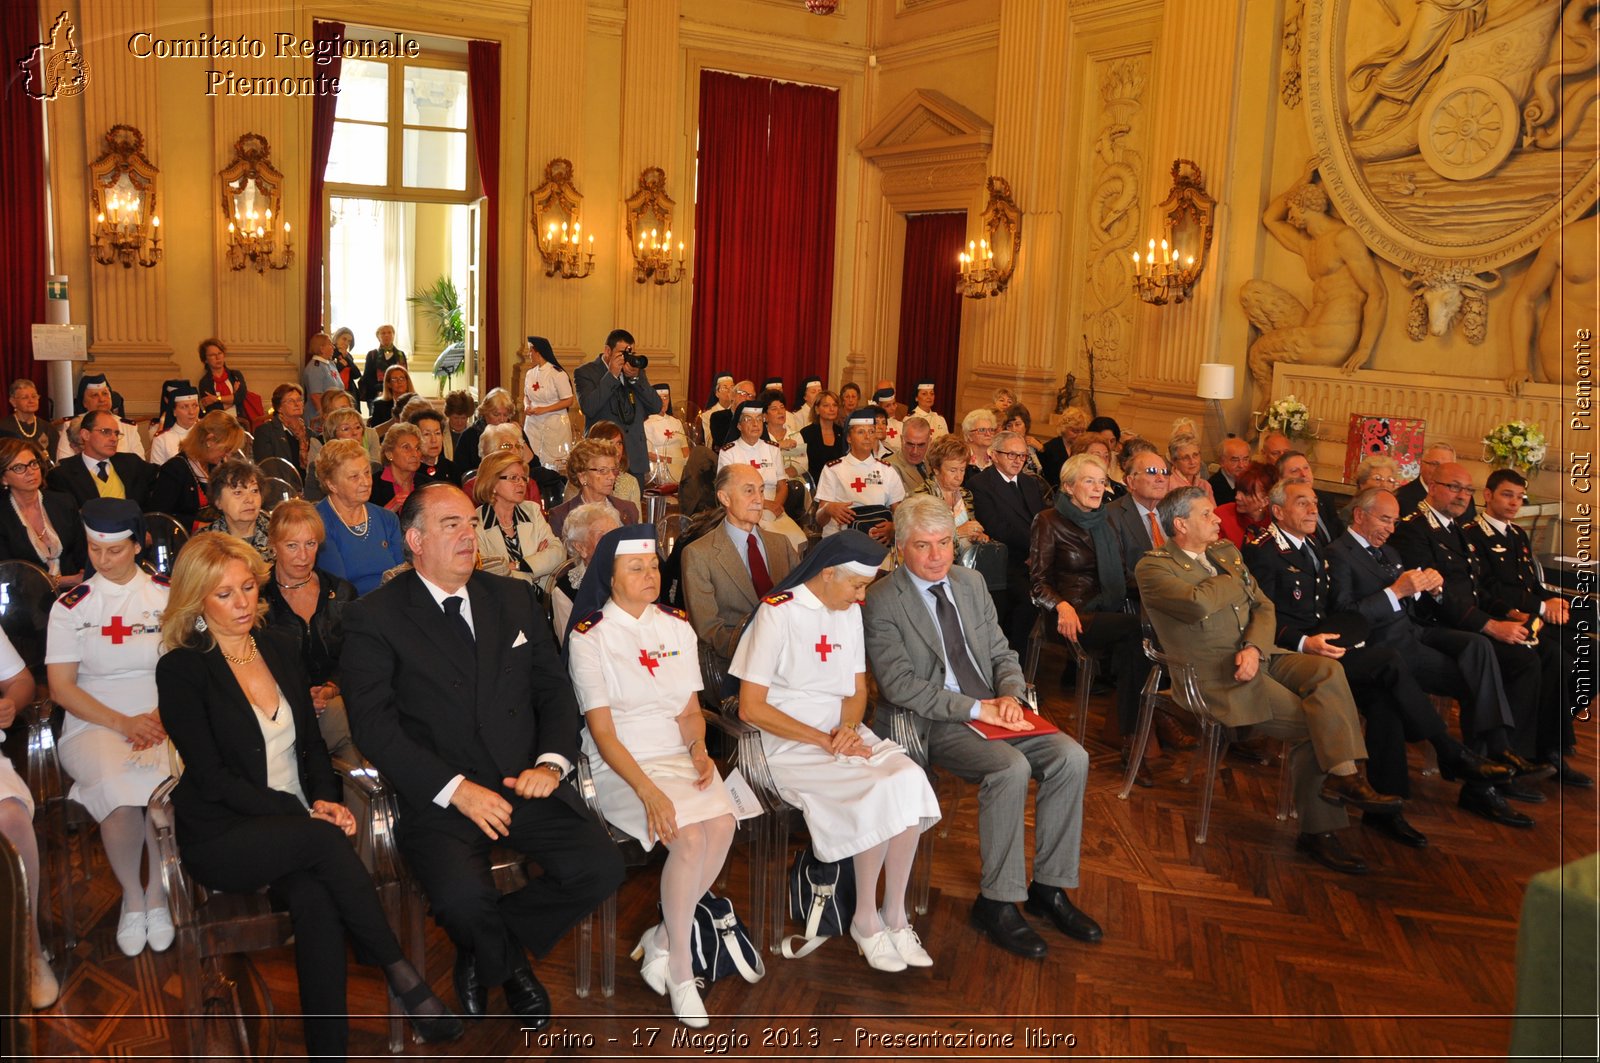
(1008, 454)
(514, 479)
(106, 431)
(23, 466)
(1459, 489)
(600, 470)
(1152, 470)
(989, 431)
(1382, 480)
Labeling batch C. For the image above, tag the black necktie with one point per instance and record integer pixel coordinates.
(955, 649)
(457, 622)
(1309, 555)
(104, 476)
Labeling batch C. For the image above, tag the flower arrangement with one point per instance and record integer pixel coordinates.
(1289, 416)
(1518, 445)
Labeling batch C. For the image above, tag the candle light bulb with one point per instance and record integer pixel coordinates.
(230, 228)
(286, 228)
(1152, 247)
(101, 218)
(971, 247)
(155, 222)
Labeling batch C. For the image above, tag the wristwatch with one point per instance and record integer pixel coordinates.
(553, 766)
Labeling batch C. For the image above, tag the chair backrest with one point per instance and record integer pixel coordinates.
(26, 596)
(670, 527)
(1185, 680)
(283, 470)
(164, 536)
(987, 559)
(164, 821)
(274, 491)
(798, 503)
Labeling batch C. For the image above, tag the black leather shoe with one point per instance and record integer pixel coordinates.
(1517, 791)
(1467, 766)
(1327, 850)
(1144, 777)
(474, 999)
(1354, 790)
(527, 998)
(432, 1029)
(1005, 926)
(1525, 768)
(1051, 902)
(1567, 775)
(1396, 827)
(1486, 801)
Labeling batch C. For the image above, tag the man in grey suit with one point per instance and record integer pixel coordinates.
(935, 645)
(728, 570)
(612, 388)
(1133, 516)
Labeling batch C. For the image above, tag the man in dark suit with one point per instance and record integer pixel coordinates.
(98, 470)
(1370, 580)
(1293, 572)
(1133, 516)
(1430, 536)
(1209, 612)
(1294, 467)
(1510, 588)
(1411, 494)
(1233, 457)
(932, 641)
(1005, 503)
(457, 694)
(727, 571)
(610, 388)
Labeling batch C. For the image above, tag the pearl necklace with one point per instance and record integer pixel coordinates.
(246, 659)
(25, 433)
(358, 530)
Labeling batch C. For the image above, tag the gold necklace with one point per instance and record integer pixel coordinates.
(246, 659)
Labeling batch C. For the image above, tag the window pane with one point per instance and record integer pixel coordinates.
(359, 154)
(363, 91)
(434, 160)
(436, 97)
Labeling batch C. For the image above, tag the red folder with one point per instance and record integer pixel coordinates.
(1041, 726)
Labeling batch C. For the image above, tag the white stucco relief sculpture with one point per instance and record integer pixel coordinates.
(1348, 298)
(1442, 297)
(1113, 209)
(1566, 274)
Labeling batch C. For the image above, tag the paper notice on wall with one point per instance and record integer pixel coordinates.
(60, 343)
(746, 805)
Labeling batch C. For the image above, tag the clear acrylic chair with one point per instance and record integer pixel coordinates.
(1085, 663)
(283, 469)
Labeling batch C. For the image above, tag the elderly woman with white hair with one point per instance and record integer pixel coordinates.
(1188, 468)
(1378, 471)
(978, 429)
(585, 526)
(496, 407)
(802, 663)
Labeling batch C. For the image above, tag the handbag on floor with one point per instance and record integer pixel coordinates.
(721, 944)
(822, 898)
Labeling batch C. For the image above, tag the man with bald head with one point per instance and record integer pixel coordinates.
(1431, 536)
(1272, 446)
(728, 570)
(1233, 457)
(1411, 494)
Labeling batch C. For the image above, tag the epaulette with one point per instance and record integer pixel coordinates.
(882, 462)
(727, 446)
(159, 580)
(1413, 515)
(75, 595)
(583, 626)
(778, 599)
(835, 461)
(672, 610)
(1259, 537)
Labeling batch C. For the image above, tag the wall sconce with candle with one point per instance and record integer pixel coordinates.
(122, 198)
(987, 264)
(650, 215)
(252, 201)
(558, 227)
(1169, 273)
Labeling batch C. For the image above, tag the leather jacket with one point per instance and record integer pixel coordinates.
(321, 640)
(1061, 562)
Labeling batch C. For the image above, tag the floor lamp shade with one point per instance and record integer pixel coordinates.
(1215, 381)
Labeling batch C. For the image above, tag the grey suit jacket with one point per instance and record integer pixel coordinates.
(1133, 536)
(906, 654)
(716, 585)
(625, 402)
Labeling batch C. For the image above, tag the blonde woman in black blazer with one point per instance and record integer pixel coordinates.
(258, 802)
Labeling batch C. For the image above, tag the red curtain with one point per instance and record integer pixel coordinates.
(930, 309)
(764, 224)
(315, 246)
(22, 184)
(483, 77)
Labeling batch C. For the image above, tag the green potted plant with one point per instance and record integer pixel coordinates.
(440, 303)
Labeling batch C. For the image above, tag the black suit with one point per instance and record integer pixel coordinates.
(1508, 582)
(274, 440)
(1396, 707)
(1221, 489)
(176, 491)
(1052, 456)
(1006, 511)
(1411, 493)
(424, 708)
(238, 834)
(62, 511)
(623, 400)
(1445, 661)
(72, 478)
(1329, 524)
(1133, 537)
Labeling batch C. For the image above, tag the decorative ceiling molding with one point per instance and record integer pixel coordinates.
(832, 56)
(979, 38)
(927, 127)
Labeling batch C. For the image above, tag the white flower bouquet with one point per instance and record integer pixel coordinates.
(1289, 416)
(1518, 445)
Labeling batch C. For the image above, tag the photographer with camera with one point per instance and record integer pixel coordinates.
(614, 387)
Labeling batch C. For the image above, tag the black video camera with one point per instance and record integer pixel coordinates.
(638, 361)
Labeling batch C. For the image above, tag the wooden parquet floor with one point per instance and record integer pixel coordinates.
(1237, 948)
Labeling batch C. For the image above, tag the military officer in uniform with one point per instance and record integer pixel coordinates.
(859, 489)
(1510, 588)
(1293, 572)
(1430, 536)
(752, 450)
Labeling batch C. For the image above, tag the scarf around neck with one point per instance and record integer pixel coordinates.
(1107, 555)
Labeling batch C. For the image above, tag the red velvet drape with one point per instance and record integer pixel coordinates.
(764, 227)
(483, 77)
(930, 309)
(315, 246)
(22, 184)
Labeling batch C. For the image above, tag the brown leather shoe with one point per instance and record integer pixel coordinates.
(1173, 737)
(1354, 790)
